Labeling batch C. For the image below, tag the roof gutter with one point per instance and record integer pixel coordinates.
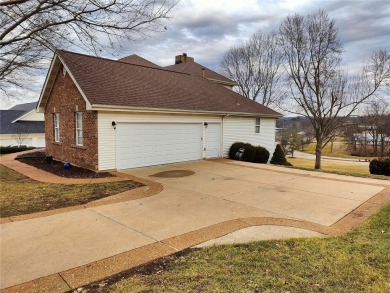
(100, 107)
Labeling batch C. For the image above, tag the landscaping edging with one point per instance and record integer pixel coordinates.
(150, 188)
(43, 176)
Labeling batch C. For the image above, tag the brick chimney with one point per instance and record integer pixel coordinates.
(183, 58)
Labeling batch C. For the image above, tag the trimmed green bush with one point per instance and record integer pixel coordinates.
(253, 154)
(278, 158)
(262, 155)
(380, 166)
(13, 149)
(249, 154)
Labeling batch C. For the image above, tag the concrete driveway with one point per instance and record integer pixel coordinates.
(216, 193)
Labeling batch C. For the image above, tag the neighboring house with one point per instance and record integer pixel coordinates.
(22, 125)
(105, 114)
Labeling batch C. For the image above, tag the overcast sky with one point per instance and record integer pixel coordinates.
(205, 29)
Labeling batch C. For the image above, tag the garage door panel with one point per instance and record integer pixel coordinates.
(141, 145)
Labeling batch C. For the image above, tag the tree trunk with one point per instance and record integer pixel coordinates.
(318, 154)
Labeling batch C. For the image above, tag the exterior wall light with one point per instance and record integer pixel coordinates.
(205, 124)
(113, 124)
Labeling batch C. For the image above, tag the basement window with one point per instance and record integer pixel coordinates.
(79, 128)
(257, 125)
(56, 119)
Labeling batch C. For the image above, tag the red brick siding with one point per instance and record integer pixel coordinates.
(64, 99)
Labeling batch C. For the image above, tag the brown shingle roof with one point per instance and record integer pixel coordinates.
(114, 83)
(194, 68)
(138, 60)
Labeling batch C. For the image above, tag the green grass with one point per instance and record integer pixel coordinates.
(356, 262)
(22, 195)
(336, 167)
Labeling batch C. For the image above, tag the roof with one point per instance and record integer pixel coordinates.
(194, 68)
(7, 127)
(112, 84)
(27, 107)
(138, 60)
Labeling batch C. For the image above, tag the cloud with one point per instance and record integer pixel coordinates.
(206, 29)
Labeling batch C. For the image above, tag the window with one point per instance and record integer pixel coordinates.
(79, 128)
(257, 125)
(56, 117)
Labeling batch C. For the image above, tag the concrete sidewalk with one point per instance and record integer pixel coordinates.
(72, 249)
(303, 155)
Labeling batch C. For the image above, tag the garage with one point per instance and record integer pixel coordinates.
(149, 144)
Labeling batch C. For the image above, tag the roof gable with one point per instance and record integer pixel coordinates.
(7, 126)
(110, 83)
(138, 60)
(26, 107)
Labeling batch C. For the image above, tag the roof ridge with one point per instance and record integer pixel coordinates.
(117, 61)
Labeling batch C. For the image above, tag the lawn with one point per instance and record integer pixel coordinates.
(336, 167)
(356, 262)
(339, 150)
(22, 195)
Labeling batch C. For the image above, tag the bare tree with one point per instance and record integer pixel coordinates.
(32, 30)
(256, 67)
(322, 91)
(376, 123)
(21, 134)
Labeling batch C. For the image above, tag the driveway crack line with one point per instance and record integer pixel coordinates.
(133, 229)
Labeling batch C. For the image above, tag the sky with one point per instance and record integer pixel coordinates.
(206, 29)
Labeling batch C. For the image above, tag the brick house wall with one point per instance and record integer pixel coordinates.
(66, 100)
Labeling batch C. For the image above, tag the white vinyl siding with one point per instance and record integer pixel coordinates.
(79, 128)
(56, 120)
(241, 129)
(107, 134)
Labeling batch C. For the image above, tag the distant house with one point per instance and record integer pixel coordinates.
(22, 125)
(117, 114)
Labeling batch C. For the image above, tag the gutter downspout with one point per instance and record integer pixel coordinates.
(223, 128)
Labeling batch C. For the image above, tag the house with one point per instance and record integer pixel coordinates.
(117, 114)
(22, 125)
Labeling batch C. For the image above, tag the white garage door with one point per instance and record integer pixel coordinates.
(41, 143)
(140, 145)
(213, 140)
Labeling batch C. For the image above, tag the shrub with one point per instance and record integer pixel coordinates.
(278, 158)
(262, 155)
(249, 154)
(380, 166)
(252, 154)
(14, 149)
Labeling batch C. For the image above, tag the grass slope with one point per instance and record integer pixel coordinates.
(356, 262)
(336, 167)
(22, 195)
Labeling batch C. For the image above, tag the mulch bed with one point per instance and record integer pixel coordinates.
(38, 160)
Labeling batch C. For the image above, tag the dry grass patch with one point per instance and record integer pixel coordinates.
(22, 195)
(336, 167)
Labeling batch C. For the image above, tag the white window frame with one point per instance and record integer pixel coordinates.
(79, 128)
(56, 122)
(257, 125)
